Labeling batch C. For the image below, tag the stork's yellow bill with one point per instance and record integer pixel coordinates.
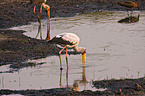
(84, 58)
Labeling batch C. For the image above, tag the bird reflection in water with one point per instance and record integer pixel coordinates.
(60, 84)
(130, 19)
(76, 83)
(39, 32)
(82, 82)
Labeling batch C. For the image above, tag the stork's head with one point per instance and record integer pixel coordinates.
(84, 57)
(46, 7)
(84, 52)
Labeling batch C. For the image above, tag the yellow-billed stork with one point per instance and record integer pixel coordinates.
(47, 8)
(69, 40)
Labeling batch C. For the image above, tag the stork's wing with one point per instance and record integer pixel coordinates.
(65, 39)
(60, 41)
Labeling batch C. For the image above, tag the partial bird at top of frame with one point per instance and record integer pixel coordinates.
(129, 5)
(47, 8)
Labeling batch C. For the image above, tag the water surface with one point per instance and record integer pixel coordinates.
(114, 50)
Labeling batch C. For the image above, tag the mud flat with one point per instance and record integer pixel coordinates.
(126, 87)
(15, 47)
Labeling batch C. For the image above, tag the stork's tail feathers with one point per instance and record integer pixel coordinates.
(53, 41)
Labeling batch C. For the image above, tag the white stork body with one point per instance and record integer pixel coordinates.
(66, 39)
(69, 40)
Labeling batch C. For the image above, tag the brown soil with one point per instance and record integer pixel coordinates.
(127, 87)
(15, 47)
(18, 13)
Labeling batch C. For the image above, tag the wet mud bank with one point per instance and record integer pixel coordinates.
(126, 87)
(19, 13)
(15, 47)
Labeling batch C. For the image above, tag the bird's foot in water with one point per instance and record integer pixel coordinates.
(61, 68)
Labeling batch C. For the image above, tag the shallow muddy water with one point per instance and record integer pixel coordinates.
(114, 50)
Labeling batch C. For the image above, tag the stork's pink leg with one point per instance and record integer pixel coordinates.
(60, 62)
(67, 78)
(66, 59)
(41, 10)
(48, 25)
(60, 57)
(36, 14)
(67, 69)
(60, 84)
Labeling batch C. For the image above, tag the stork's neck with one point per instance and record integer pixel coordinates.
(46, 7)
(79, 49)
